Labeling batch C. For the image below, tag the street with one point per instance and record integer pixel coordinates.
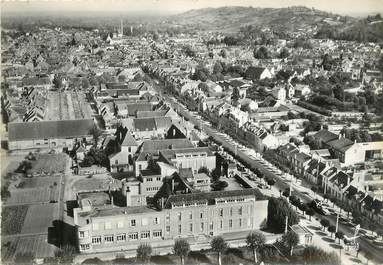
(365, 245)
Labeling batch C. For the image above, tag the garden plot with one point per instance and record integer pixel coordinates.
(12, 219)
(39, 218)
(33, 195)
(38, 245)
(38, 182)
(49, 163)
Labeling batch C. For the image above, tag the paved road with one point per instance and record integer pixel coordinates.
(366, 245)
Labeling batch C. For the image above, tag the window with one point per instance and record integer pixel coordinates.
(221, 224)
(240, 210)
(145, 234)
(231, 211)
(179, 216)
(157, 233)
(240, 222)
(109, 239)
(53, 143)
(129, 149)
(156, 220)
(95, 226)
(201, 215)
(191, 215)
(211, 226)
(191, 227)
(121, 237)
(145, 221)
(83, 234)
(84, 246)
(96, 240)
(120, 224)
(167, 217)
(179, 229)
(149, 179)
(230, 223)
(201, 227)
(116, 162)
(133, 222)
(133, 236)
(221, 212)
(108, 225)
(158, 178)
(168, 229)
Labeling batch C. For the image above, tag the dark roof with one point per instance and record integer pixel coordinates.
(145, 124)
(302, 157)
(325, 136)
(20, 131)
(151, 114)
(341, 179)
(254, 72)
(341, 144)
(133, 108)
(155, 145)
(236, 83)
(209, 197)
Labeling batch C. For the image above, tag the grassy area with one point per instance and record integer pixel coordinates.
(12, 219)
(49, 163)
(37, 182)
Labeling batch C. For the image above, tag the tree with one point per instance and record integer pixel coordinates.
(181, 248)
(255, 240)
(65, 254)
(331, 229)
(284, 53)
(96, 133)
(144, 252)
(261, 53)
(291, 240)
(310, 212)
(315, 255)
(219, 245)
(57, 82)
(278, 209)
(235, 95)
(271, 182)
(339, 235)
(325, 223)
(217, 67)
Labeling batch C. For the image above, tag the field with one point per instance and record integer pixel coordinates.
(39, 218)
(33, 195)
(97, 182)
(49, 163)
(38, 245)
(67, 105)
(38, 182)
(12, 219)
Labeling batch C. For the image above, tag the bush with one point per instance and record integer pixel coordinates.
(219, 185)
(314, 108)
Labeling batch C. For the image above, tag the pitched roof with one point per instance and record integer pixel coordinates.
(341, 144)
(325, 136)
(129, 140)
(151, 114)
(20, 131)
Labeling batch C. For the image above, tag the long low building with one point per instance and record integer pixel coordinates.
(200, 214)
(48, 134)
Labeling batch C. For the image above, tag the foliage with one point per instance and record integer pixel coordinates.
(261, 53)
(278, 209)
(65, 254)
(339, 235)
(96, 133)
(255, 240)
(331, 229)
(316, 256)
(314, 108)
(219, 245)
(219, 185)
(310, 212)
(144, 252)
(204, 170)
(284, 53)
(95, 157)
(325, 223)
(181, 248)
(201, 73)
(235, 95)
(291, 240)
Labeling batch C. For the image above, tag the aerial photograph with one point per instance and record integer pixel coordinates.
(188, 132)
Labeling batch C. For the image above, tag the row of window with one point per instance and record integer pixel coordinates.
(153, 188)
(120, 224)
(152, 179)
(97, 240)
(211, 225)
(191, 155)
(220, 213)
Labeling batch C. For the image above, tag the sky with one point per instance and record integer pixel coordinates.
(344, 7)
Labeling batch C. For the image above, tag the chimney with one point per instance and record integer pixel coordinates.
(128, 197)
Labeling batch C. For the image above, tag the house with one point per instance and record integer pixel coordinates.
(147, 128)
(257, 73)
(322, 137)
(314, 171)
(123, 158)
(337, 184)
(279, 93)
(347, 151)
(48, 134)
(300, 162)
